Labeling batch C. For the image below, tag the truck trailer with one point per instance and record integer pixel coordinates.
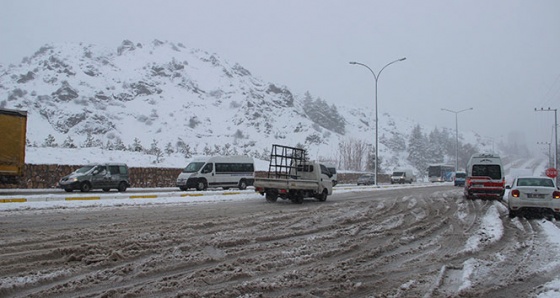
(13, 126)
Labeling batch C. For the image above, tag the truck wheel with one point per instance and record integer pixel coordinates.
(296, 197)
(323, 196)
(122, 187)
(271, 197)
(242, 184)
(85, 187)
(201, 185)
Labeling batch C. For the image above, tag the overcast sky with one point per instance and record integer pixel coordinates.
(500, 57)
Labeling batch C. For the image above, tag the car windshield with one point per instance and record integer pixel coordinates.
(84, 169)
(193, 167)
(398, 174)
(535, 182)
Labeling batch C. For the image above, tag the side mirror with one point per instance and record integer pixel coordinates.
(508, 187)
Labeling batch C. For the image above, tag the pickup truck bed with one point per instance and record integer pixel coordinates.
(285, 183)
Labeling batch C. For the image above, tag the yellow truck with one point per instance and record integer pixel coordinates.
(13, 127)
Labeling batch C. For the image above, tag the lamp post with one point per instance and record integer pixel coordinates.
(376, 77)
(550, 163)
(456, 135)
(555, 134)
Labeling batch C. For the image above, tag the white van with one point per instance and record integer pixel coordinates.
(218, 171)
(402, 176)
(485, 177)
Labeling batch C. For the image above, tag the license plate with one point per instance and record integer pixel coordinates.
(535, 196)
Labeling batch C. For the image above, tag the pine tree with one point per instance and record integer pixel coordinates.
(50, 141)
(136, 146)
(417, 150)
(119, 145)
(68, 143)
(89, 142)
(168, 149)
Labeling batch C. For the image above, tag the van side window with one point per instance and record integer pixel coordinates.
(114, 170)
(123, 170)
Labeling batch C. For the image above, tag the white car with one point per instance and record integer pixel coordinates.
(530, 194)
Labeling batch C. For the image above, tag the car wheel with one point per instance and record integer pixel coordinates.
(512, 214)
(182, 188)
(122, 187)
(85, 187)
(271, 196)
(68, 190)
(201, 185)
(106, 189)
(242, 185)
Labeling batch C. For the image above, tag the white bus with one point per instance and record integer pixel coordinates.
(218, 171)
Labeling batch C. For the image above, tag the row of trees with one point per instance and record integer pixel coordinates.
(420, 149)
(180, 147)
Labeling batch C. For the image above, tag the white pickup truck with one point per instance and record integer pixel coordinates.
(292, 177)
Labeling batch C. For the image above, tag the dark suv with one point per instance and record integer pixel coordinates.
(99, 176)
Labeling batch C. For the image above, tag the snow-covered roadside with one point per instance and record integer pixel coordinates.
(154, 197)
(491, 231)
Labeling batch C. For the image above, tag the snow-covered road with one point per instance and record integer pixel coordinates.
(371, 242)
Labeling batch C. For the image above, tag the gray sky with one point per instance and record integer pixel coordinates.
(500, 57)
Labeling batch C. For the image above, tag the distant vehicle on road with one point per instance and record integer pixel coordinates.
(97, 176)
(366, 179)
(440, 172)
(459, 178)
(529, 194)
(402, 176)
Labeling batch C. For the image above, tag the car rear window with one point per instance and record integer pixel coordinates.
(535, 182)
(492, 171)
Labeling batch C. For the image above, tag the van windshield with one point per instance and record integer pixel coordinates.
(84, 169)
(193, 167)
(492, 171)
(461, 175)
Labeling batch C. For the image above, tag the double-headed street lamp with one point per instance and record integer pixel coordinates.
(376, 77)
(456, 135)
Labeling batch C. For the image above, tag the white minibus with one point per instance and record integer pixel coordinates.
(218, 171)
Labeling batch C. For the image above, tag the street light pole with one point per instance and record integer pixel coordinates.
(555, 134)
(376, 77)
(456, 135)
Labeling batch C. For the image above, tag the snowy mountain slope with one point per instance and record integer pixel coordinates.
(163, 94)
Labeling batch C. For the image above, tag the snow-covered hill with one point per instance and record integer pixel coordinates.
(164, 95)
